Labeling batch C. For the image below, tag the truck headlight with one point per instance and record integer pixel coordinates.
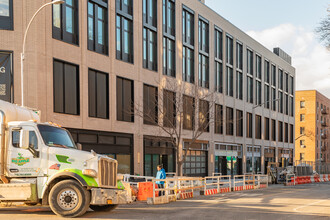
(89, 172)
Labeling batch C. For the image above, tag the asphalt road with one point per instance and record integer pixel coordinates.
(310, 201)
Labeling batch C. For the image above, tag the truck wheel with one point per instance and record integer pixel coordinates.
(69, 199)
(103, 208)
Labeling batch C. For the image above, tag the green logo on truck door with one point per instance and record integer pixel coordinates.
(20, 160)
(62, 159)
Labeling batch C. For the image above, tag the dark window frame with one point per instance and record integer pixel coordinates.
(149, 106)
(186, 106)
(204, 108)
(96, 72)
(229, 121)
(93, 45)
(7, 22)
(249, 125)
(169, 119)
(218, 124)
(239, 123)
(121, 115)
(61, 33)
(188, 44)
(64, 96)
(149, 24)
(124, 13)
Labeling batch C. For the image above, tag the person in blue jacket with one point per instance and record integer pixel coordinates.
(160, 175)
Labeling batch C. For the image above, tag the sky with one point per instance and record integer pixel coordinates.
(290, 25)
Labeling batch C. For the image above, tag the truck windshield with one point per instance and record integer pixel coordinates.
(56, 137)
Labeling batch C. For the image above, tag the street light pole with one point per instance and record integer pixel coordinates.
(24, 40)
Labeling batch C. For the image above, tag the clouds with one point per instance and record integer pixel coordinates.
(309, 57)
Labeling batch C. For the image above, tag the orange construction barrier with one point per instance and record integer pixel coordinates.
(145, 191)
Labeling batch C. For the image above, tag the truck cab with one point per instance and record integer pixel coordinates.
(40, 163)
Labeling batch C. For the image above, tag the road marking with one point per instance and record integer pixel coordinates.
(310, 204)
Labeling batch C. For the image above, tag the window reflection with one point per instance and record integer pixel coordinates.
(4, 8)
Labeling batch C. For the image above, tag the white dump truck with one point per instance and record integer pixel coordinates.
(40, 163)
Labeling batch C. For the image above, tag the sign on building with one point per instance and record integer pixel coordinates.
(6, 77)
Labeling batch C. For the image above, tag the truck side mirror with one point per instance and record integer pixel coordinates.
(79, 146)
(24, 139)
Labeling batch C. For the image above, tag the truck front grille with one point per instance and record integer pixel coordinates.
(107, 173)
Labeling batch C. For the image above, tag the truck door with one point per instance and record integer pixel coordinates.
(24, 162)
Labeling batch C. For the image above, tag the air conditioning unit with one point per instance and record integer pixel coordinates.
(303, 146)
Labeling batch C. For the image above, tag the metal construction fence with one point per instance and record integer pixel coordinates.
(187, 187)
(306, 168)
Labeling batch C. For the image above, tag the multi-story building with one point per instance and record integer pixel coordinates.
(88, 62)
(312, 119)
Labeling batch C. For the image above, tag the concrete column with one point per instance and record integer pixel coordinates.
(244, 150)
(262, 152)
(138, 154)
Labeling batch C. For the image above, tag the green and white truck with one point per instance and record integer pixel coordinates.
(41, 164)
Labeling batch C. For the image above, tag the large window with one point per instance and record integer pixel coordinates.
(203, 39)
(273, 130)
(6, 15)
(218, 77)
(229, 121)
(98, 26)
(258, 127)
(267, 75)
(273, 101)
(258, 92)
(169, 37)
(280, 131)
(280, 79)
(286, 132)
(239, 123)
(291, 134)
(229, 50)
(249, 81)
(266, 128)
(98, 94)
(218, 60)
(66, 88)
(249, 89)
(239, 56)
(124, 30)
(125, 100)
(239, 85)
(280, 102)
(218, 124)
(239, 73)
(66, 22)
(188, 31)
(267, 96)
(249, 62)
(204, 115)
(273, 75)
(230, 82)
(249, 125)
(150, 105)
(258, 67)
(169, 109)
(188, 112)
(150, 35)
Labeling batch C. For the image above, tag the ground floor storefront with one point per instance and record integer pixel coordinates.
(115, 145)
(141, 155)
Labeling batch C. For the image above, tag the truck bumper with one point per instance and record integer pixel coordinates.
(100, 196)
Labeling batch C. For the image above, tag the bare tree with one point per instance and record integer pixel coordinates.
(174, 110)
(324, 30)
